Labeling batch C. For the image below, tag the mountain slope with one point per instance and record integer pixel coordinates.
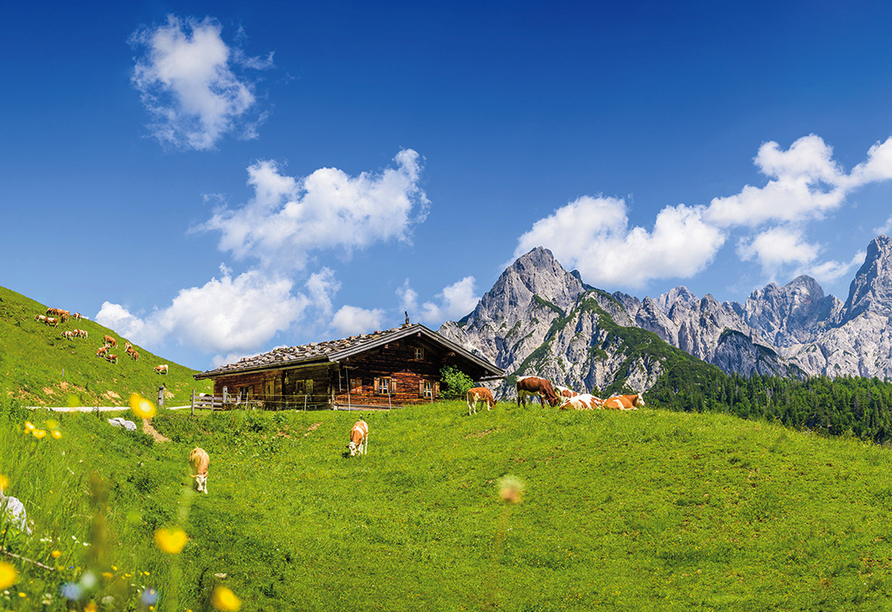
(40, 367)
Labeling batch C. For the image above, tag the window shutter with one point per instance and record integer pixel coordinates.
(377, 388)
(420, 388)
(436, 389)
(393, 386)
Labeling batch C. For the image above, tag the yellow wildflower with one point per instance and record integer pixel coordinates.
(56, 434)
(142, 407)
(56, 554)
(29, 426)
(171, 540)
(225, 600)
(4, 482)
(90, 607)
(40, 434)
(8, 575)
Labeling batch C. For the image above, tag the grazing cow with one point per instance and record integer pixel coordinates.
(529, 386)
(15, 512)
(161, 369)
(198, 464)
(359, 438)
(480, 394)
(102, 351)
(128, 347)
(111, 358)
(76, 316)
(53, 321)
(134, 355)
(582, 401)
(53, 311)
(110, 341)
(81, 333)
(40, 318)
(564, 392)
(624, 402)
(68, 334)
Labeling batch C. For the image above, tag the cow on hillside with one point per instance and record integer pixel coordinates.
(533, 386)
(480, 394)
(161, 369)
(624, 402)
(198, 465)
(584, 401)
(359, 438)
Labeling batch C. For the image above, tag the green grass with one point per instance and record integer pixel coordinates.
(39, 367)
(646, 510)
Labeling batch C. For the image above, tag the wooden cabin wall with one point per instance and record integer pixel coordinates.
(397, 362)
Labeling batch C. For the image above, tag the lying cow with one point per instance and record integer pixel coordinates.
(533, 386)
(198, 464)
(582, 401)
(564, 393)
(359, 438)
(480, 394)
(624, 402)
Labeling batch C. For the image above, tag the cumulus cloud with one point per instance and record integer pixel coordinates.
(805, 183)
(777, 247)
(229, 314)
(288, 218)
(885, 228)
(352, 320)
(186, 76)
(831, 271)
(452, 303)
(593, 235)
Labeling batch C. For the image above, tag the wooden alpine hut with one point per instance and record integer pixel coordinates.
(389, 368)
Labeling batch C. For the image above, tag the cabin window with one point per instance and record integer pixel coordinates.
(298, 387)
(419, 353)
(246, 392)
(308, 387)
(428, 388)
(383, 385)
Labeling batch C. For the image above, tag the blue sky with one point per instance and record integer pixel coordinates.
(213, 180)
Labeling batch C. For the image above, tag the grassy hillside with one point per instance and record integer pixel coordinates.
(39, 367)
(647, 510)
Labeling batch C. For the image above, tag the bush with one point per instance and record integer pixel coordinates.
(455, 382)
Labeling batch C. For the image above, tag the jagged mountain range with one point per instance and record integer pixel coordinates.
(538, 318)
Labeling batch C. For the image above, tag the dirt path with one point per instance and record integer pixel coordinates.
(147, 428)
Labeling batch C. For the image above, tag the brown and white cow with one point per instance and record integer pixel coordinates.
(480, 394)
(52, 321)
(198, 465)
(110, 341)
(161, 369)
(67, 334)
(564, 393)
(624, 402)
(76, 316)
(359, 438)
(111, 358)
(582, 401)
(101, 351)
(40, 318)
(134, 355)
(533, 386)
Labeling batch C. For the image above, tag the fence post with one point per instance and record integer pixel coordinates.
(193, 402)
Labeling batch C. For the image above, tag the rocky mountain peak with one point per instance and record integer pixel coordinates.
(680, 294)
(871, 290)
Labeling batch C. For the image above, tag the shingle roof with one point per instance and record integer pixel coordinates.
(333, 350)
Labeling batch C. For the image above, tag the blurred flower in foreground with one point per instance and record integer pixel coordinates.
(29, 426)
(90, 607)
(4, 482)
(56, 434)
(40, 434)
(171, 540)
(142, 407)
(149, 597)
(56, 554)
(70, 591)
(225, 600)
(511, 489)
(8, 575)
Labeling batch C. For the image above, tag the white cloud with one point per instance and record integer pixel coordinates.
(322, 286)
(805, 183)
(352, 320)
(186, 79)
(454, 302)
(224, 315)
(885, 228)
(289, 218)
(408, 298)
(777, 247)
(592, 235)
(832, 271)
